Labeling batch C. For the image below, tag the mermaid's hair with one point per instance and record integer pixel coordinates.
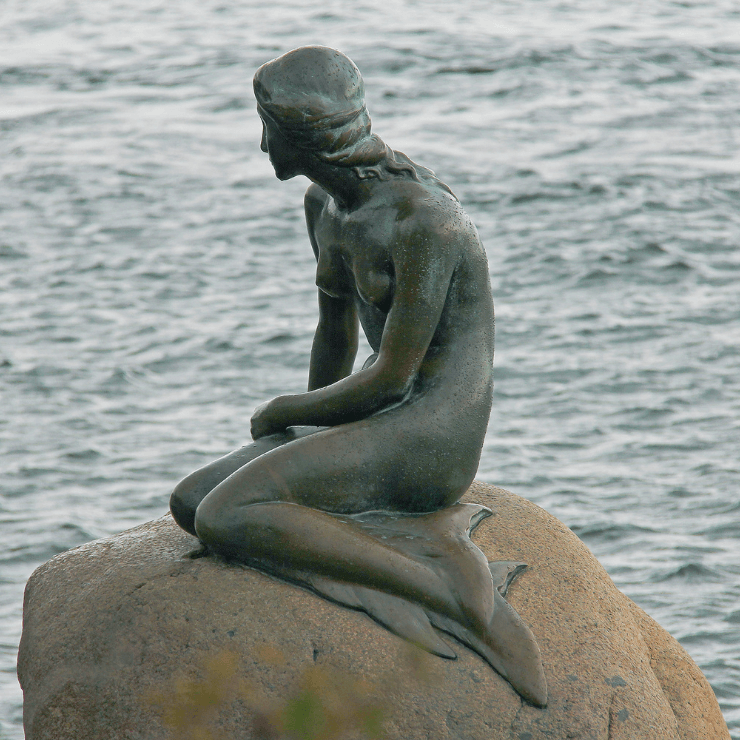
(316, 97)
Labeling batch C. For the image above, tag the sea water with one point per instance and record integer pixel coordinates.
(156, 282)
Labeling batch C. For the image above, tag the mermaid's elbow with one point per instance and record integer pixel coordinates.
(398, 390)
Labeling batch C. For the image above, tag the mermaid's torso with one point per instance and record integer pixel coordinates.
(355, 262)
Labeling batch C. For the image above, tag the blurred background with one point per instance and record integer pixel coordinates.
(156, 282)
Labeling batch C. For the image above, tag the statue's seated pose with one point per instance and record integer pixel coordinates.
(403, 436)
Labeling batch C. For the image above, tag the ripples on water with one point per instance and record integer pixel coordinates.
(146, 253)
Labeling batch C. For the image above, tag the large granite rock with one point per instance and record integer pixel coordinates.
(110, 624)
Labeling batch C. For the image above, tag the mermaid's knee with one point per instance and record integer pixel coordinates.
(231, 530)
(243, 518)
(209, 524)
(184, 503)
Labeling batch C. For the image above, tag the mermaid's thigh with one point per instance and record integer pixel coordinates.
(190, 491)
(384, 462)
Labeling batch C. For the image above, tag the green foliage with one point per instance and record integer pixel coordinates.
(323, 704)
(191, 705)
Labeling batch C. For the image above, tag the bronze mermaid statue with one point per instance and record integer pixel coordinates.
(352, 488)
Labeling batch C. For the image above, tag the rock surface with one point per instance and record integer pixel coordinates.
(110, 624)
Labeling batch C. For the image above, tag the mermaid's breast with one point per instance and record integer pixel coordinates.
(375, 287)
(332, 277)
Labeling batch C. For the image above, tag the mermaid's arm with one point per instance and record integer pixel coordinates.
(424, 260)
(334, 343)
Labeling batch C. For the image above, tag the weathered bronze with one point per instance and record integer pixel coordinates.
(352, 487)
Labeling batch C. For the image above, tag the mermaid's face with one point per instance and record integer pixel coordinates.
(286, 158)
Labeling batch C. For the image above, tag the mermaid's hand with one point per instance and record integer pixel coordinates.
(266, 420)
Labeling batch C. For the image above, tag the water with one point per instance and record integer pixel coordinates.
(146, 252)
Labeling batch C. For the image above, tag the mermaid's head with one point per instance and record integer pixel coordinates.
(316, 97)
